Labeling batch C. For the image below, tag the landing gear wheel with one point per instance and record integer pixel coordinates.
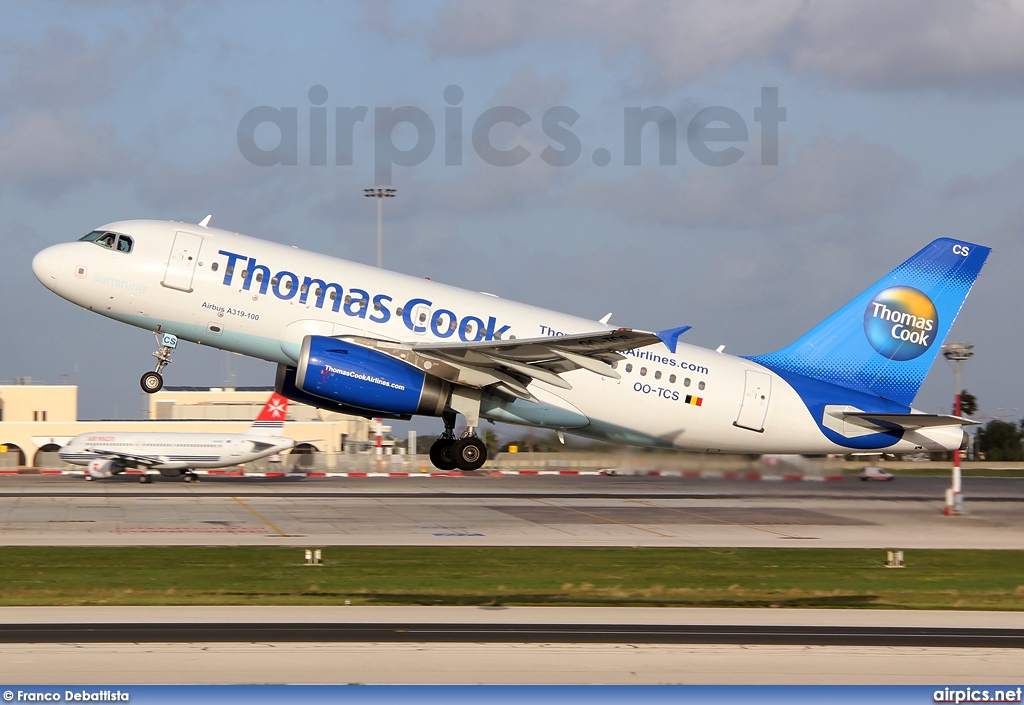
(152, 382)
(89, 478)
(441, 454)
(190, 477)
(144, 479)
(469, 453)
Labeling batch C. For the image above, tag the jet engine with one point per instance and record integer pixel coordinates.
(104, 468)
(353, 376)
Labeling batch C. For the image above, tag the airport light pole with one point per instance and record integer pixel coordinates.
(958, 354)
(380, 193)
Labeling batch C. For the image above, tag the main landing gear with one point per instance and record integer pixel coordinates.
(467, 453)
(153, 382)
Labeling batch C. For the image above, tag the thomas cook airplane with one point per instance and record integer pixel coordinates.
(361, 340)
(106, 453)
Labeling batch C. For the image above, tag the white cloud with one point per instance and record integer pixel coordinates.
(45, 151)
(863, 44)
(825, 179)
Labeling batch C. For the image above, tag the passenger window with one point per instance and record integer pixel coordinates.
(700, 386)
(643, 371)
(124, 243)
(215, 266)
(259, 276)
(672, 379)
(686, 382)
(230, 270)
(629, 368)
(245, 274)
(657, 374)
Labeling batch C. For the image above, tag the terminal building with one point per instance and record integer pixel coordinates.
(37, 419)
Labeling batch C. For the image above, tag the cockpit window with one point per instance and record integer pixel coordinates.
(113, 241)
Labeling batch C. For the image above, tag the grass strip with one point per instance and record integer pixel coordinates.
(394, 575)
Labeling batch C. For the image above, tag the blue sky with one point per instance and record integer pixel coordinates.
(902, 125)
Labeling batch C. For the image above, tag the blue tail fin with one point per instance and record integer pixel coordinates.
(884, 341)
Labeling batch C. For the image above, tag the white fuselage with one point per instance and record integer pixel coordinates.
(173, 451)
(689, 399)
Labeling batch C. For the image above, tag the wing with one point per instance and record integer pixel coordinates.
(510, 365)
(147, 460)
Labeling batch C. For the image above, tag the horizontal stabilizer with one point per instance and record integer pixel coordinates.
(908, 421)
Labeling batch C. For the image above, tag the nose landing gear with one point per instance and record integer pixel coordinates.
(153, 382)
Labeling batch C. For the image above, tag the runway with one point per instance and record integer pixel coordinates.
(510, 645)
(444, 633)
(510, 511)
(515, 645)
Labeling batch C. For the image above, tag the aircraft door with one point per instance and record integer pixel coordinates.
(181, 264)
(756, 395)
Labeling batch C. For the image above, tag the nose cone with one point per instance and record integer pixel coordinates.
(46, 265)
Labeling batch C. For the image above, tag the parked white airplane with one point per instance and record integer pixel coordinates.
(358, 339)
(106, 453)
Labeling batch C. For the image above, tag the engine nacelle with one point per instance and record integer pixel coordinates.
(103, 468)
(285, 386)
(352, 375)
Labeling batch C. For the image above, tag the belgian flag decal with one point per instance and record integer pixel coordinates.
(696, 401)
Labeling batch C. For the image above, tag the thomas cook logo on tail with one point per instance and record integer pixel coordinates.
(901, 323)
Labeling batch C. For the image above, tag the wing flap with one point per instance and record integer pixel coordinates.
(532, 350)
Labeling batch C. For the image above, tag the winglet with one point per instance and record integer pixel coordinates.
(670, 336)
(205, 221)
